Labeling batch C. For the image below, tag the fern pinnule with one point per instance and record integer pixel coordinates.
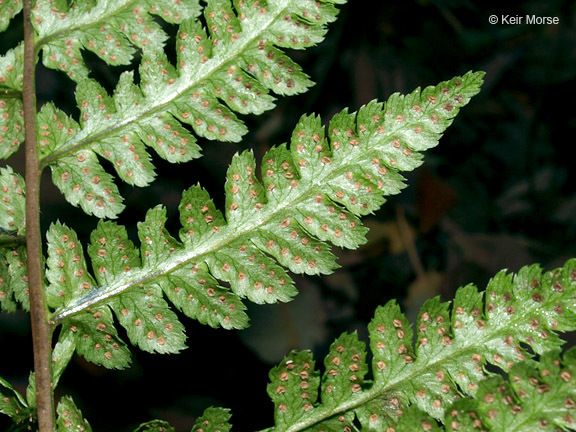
(229, 68)
(12, 403)
(13, 269)
(8, 10)
(311, 195)
(69, 417)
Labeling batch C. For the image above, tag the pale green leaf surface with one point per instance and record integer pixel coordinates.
(11, 108)
(79, 175)
(252, 274)
(345, 370)
(96, 338)
(229, 71)
(31, 392)
(148, 320)
(156, 242)
(198, 295)
(537, 396)
(192, 289)
(18, 272)
(293, 388)
(8, 10)
(213, 420)
(13, 279)
(12, 403)
(155, 426)
(69, 417)
(113, 253)
(7, 302)
(84, 182)
(66, 273)
(112, 30)
(416, 384)
(61, 355)
(412, 419)
(143, 312)
(285, 220)
(12, 203)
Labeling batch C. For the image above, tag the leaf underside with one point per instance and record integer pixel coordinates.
(229, 68)
(11, 108)
(69, 417)
(488, 361)
(311, 195)
(438, 372)
(13, 268)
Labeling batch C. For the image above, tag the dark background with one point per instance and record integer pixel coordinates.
(499, 192)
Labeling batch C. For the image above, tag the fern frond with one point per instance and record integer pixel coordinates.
(311, 195)
(416, 380)
(11, 108)
(227, 69)
(13, 268)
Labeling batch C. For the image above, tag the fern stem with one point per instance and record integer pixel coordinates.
(41, 330)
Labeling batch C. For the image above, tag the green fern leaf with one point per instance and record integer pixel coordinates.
(345, 370)
(213, 420)
(12, 403)
(285, 221)
(95, 338)
(12, 204)
(536, 396)
(8, 10)
(11, 108)
(14, 279)
(61, 355)
(415, 385)
(293, 388)
(193, 291)
(112, 30)
(13, 268)
(92, 332)
(67, 272)
(230, 70)
(539, 396)
(155, 426)
(144, 314)
(69, 417)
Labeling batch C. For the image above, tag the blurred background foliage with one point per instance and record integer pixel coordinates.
(499, 192)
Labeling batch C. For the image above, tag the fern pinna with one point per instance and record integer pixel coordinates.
(311, 194)
(431, 373)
